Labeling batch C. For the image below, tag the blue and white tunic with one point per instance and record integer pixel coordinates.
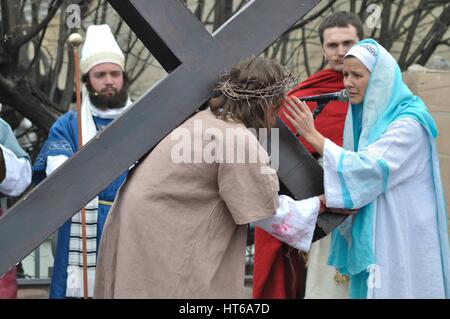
(63, 141)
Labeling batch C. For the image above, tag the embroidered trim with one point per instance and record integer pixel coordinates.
(105, 202)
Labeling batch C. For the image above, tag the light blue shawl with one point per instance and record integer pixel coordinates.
(387, 99)
(8, 140)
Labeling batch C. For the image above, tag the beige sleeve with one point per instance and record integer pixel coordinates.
(249, 188)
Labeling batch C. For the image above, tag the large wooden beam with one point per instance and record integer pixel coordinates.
(195, 59)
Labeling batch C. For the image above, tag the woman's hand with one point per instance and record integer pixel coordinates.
(301, 118)
(343, 211)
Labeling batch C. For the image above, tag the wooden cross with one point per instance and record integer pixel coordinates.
(194, 59)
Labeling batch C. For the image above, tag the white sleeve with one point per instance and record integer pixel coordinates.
(18, 173)
(354, 179)
(53, 162)
(294, 221)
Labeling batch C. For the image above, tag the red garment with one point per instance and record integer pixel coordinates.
(330, 122)
(8, 283)
(279, 272)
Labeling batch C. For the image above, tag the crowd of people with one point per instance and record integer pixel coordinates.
(379, 158)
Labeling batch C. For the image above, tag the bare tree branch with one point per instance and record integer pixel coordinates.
(62, 36)
(353, 6)
(17, 41)
(437, 32)
(200, 9)
(385, 35)
(397, 14)
(29, 102)
(411, 31)
(104, 11)
(70, 82)
(36, 57)
(313, 17)
(305, 53)
(141, 69)
(362, 9)
(8, 18)
(223, 11)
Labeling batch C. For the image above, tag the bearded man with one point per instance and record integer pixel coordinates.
(104, 98)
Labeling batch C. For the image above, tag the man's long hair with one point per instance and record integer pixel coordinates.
(252, 93)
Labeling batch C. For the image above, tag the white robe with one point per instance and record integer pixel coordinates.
(320, 281)
(18, 173)
(408, 262)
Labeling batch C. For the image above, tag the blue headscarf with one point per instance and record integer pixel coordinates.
(387, 99)
(8, 140)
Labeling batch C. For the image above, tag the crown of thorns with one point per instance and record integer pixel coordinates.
(241, 92)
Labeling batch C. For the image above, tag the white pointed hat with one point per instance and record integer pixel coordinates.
(100, 47)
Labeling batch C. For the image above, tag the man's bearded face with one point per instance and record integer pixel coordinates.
(107, 86)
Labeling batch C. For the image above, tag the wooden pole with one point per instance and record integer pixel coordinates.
(75, 40)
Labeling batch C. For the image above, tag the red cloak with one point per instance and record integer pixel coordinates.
(279, 271)
(8, 283)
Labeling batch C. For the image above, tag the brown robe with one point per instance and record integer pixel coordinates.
(179, 230)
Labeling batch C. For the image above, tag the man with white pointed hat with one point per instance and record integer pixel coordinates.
(104, 98)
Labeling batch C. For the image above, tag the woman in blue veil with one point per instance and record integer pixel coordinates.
(397, 245)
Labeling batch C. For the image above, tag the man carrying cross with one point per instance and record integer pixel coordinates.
(180, 220)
